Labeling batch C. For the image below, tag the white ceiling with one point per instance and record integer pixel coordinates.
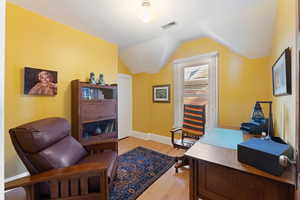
(245, 26)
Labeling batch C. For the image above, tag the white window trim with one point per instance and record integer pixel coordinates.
(213, 108)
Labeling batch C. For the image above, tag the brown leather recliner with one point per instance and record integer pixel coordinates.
(59, 165)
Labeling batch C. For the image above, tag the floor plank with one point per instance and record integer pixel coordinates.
(170, 186)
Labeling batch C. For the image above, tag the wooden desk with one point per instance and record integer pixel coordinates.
(216, 174)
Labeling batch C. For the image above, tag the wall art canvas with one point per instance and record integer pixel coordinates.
(40, 82)
(282, 75)
(161, 94)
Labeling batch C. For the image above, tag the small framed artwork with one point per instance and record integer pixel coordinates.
(281, 73)
(40, 82)
(161, 93)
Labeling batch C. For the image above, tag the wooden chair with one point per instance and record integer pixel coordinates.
(193, 128)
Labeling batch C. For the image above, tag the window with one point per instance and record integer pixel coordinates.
(195, 89)
(196, 82)
(196, 85)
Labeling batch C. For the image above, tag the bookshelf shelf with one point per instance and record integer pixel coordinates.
(94, 111)
(94, 139)
(99, 119)
(98, 101)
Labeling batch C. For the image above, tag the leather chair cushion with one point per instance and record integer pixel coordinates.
(109, 158)
(64, 153)
(36, 136)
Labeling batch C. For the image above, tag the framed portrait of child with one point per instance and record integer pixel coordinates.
(40, 82)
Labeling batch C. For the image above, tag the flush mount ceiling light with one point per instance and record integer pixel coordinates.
(145, 15)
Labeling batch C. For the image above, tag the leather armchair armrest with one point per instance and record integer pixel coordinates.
(109, 144)
(73, 172)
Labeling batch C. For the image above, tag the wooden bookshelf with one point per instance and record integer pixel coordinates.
(94, 112)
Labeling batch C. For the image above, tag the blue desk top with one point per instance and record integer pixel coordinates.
(223, 138)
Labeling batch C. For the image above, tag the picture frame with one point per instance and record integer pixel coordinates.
(161, 93)
(281, 75)
(40, 82)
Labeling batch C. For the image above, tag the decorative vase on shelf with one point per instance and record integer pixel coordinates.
(101, 79)
(92, 79)
(98, 130)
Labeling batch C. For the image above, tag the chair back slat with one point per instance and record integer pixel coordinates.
(194, 119)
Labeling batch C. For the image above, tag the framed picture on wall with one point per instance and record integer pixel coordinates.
(161, 93)
(281, 73)
(40, 82)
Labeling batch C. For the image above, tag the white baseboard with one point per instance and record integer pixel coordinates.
(152, 136)
(160, 138)
(140, 135)
(17, 177)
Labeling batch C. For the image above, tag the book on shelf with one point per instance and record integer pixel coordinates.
(100, 95)
(112, 126)
(109, 127)
(85, 93)
(106, 128)
(91, 93)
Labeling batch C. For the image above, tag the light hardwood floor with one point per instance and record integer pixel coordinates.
(170, 186)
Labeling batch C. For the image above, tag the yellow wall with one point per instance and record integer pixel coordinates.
(242, 81)
(284, 37)
(122, 68)
(36, 41)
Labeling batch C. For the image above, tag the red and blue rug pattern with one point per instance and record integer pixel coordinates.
(137, 170)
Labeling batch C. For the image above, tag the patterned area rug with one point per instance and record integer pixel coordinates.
(137, 170)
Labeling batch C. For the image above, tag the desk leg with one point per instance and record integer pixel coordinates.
(193, 179)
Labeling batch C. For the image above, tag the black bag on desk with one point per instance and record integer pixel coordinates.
(264, 154)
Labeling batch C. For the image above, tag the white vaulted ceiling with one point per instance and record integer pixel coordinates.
(245, 26)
